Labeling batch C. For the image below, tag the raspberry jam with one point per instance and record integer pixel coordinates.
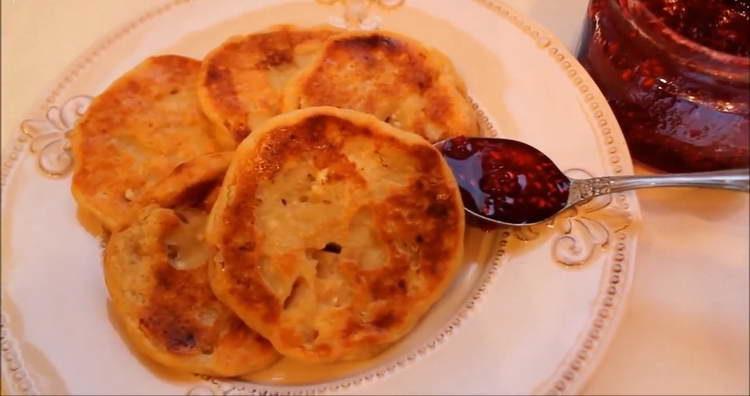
(723, 25)
(677, 76)
(506, 180)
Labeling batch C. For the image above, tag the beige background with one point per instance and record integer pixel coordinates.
(686, 328)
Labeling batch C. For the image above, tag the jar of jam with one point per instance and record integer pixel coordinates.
(677, 76)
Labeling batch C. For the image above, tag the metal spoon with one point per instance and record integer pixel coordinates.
(510, 183)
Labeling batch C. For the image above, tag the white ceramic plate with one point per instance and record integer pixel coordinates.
(532, 312)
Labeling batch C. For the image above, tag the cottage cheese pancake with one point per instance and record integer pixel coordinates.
(335, 233)
(242, 81)
(134, 134)
(157, 277)
(397, 79)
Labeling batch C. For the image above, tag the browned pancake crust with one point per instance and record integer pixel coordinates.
(190, 182)
(319, 301)
(157, 277)
(242, 81)
(392, 77)
(134, 134)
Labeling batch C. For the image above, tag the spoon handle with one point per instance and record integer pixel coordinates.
(585, 189)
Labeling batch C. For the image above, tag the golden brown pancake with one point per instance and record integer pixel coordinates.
(335, 233)
(136, 132)
(395, 78)
(242, 81)
(189, 181)
(157, 277)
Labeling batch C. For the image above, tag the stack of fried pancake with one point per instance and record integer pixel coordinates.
(281, 197)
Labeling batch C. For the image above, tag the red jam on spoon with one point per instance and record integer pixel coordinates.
(506, 180)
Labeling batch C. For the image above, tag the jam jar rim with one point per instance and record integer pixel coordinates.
(738, 65)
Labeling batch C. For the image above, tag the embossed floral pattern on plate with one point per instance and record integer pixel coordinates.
(49, 136)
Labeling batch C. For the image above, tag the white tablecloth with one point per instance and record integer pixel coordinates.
(686, 329)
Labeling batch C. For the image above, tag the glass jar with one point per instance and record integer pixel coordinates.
(679, 87)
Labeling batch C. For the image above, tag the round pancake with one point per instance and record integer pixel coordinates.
(395, 78)
(335, 233)
(242, 81)
(134, 134)
(157, 278)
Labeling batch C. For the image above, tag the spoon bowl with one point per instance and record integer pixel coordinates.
(505, 182)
